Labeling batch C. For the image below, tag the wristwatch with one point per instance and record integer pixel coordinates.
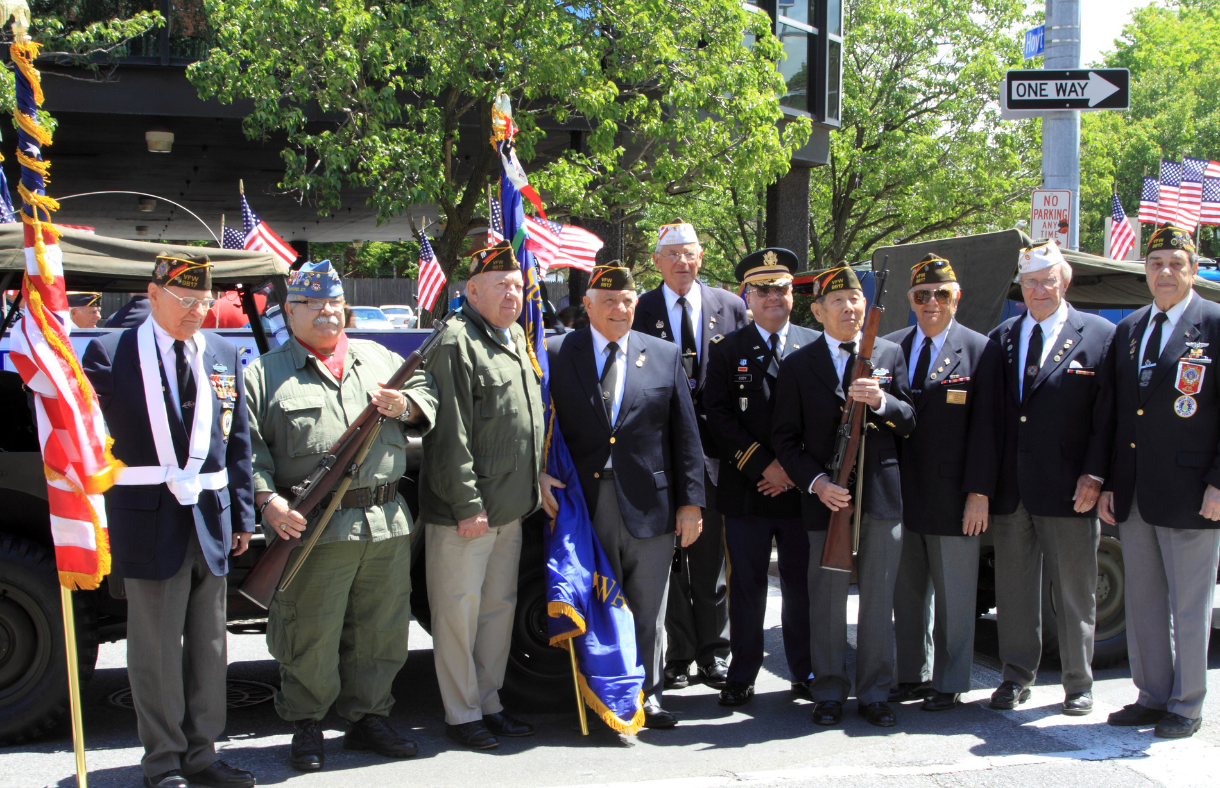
(406, 413)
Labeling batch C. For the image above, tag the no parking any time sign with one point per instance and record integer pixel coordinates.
(1050, 215)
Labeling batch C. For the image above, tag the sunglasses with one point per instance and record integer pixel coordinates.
(943, 296)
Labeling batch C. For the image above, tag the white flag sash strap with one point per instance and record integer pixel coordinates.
(187, 482)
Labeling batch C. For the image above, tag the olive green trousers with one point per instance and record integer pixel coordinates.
(339, 631)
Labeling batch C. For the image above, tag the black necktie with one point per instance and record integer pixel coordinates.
(921, 366)
(1033, 361)
(850, 366)
(610, 380)
(690, 354)
(186, 385)
(773, 366)
(1152, 351)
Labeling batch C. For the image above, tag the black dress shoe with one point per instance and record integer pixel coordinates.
(827, 712)
(735, 693)
(1133, 715)
(676, 676)
(941, 701)
(907, 691)
(473, 735)
(170, 779)
(307, 754)
(657, 717)
(503, 724)
(372, 732)
(800, 689)
(879, 714)
(714, 675)
(222, 775)
(1175, 726)
(1008, 696)
(1078, 704)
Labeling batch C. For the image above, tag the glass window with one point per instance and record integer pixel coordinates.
(796, 10)
(834, 79)
(834, 17)
(795, 66)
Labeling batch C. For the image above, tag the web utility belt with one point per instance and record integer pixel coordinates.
(362, 498)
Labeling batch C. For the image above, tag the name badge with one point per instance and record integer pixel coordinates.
(955, 397)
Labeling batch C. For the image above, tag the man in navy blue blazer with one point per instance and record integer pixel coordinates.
(625, 412)
(688, 313)
(174, 405)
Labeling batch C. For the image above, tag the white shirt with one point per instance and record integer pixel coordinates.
(1171, 321)
(694, 302)
(938, 342)
(165, 346)
(599, 359)
(766, 337)
(1050, 334)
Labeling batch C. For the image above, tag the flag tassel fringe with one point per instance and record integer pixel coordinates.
(612, 720)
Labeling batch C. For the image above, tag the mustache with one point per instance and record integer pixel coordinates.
(326, 320)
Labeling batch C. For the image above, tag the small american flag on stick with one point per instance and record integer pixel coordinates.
(1171, 184)
(554, 245)
(431, 277)
(1191, 192)
(1209, 209)
(1122, 237)
(1150, 197)
(259, 237)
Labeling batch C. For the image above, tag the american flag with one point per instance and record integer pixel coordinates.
(1212, 170)
(1209, 212)
(1122, 237)
(1171, 183)
(1150, 196)
(232, 238)
(554, 245)
(259, 237)
(431, 277)
(1191, 193)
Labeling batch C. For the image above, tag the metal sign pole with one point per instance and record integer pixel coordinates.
(1061, 129)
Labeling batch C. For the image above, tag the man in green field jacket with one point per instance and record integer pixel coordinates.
(339, 631)
(479, 479)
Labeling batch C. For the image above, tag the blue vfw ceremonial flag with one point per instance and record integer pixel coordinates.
(586, 608)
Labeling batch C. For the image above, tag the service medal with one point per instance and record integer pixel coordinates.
(744, 402)
(1190, 378)
(1185, 406)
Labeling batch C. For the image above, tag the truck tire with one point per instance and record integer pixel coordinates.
(539, 675)
(33, 678)
(1110, 639)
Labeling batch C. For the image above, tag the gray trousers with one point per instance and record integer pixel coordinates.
(876, 574)
(697, 615)
(1171, 581)
(937, 575)
(642, 568)
(1069, 547)
(472, 590)
(177, 661)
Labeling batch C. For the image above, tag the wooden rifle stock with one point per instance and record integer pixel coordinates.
(260, 584)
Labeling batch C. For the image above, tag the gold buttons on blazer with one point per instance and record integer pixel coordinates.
(612, 440)
(1139, 412)
(1023, 418)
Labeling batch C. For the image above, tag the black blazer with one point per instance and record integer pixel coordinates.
(657, 462)
(1062, 430)
(808, 408)
(739, 404)
(149, 529)
(1178, 455)
(956, 448)
(722, 313)
(131, 314)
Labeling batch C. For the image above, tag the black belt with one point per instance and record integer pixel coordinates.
(604, 473)
(362, 498)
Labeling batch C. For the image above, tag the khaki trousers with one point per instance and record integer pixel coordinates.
(472, 590)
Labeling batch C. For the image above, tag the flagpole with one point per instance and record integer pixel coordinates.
(222, 231)
(78, 725)
(580, 703)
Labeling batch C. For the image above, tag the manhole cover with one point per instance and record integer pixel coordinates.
(240, 695)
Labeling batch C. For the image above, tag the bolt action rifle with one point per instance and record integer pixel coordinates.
(842, 536)
(335, 472)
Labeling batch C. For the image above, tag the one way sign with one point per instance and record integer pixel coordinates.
(1085, 89)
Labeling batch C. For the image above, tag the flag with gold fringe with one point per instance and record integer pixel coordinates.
(75, 452)
(587, 610)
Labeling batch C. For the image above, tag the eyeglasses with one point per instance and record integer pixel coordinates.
(1032, 283)
(189, 303)
(943, 296)
(318, 304)
(674, 257)
(766, 291)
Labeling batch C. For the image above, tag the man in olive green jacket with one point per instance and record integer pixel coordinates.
(339, 631)
(480, 478)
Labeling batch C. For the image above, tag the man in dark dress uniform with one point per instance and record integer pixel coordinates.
(1164, 486)
(759, 502)
(949, 466)
(808, 409)
(688, 313)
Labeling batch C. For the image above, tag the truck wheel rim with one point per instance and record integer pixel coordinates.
(25, 643)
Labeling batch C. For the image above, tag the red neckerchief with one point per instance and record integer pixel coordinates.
(335, 362)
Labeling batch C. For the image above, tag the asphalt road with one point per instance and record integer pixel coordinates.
(768, 742)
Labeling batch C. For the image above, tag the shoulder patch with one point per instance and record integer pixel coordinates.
(716, 338)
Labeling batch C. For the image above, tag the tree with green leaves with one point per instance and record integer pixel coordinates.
(922, 152)
(620, 103)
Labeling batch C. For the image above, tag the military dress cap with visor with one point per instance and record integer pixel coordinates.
(1172, 238)
(84, 299)
(933, 269)
(773, 266)
(676, 233)
(1039, 255)
(316, 280)
(494, 258)
(611, 276)
(841, 278)
(193, 272)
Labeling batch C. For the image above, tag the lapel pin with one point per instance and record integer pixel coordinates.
(742, 363)
(660, 324)
(663, 335)
(795, 346)
(639, 362)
